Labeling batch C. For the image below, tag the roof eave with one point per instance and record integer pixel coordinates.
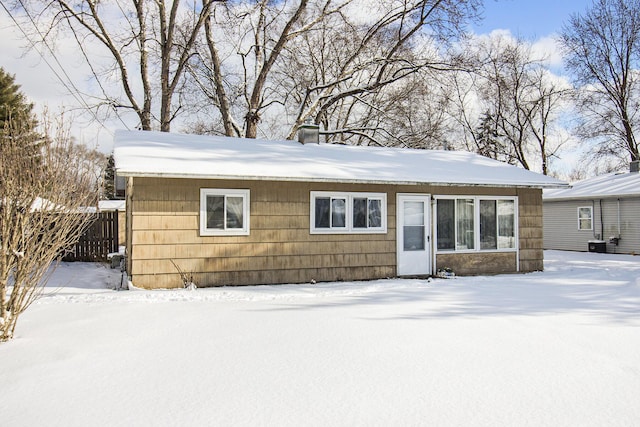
(333, 180)
(590, 197)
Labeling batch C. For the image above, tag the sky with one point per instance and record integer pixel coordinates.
(531, 19)
(536, 21)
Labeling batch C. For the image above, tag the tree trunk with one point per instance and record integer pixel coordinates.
(223, 100)
(8, 326)
(255, 101)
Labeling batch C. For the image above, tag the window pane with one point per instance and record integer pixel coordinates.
(413, 226)
(464, 214)
(445, 224)
(215, 212)
(506, 224)
(488, 221)
(323, 209)
(375, 213)
(234, 212)
(359, 213)
(413, 237)
(338, 213)
(414, 213)
(584, 218)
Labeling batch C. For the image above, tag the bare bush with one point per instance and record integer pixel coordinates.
(46, 183)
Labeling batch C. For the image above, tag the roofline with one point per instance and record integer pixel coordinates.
(590, 197)
(331, 180)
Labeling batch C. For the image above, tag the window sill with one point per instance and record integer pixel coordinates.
(474, 251)
(209, 233)
(347, 231)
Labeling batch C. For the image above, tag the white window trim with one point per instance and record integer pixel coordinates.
(204, 231)
(348, 229)
(476, 224)
(590, 217)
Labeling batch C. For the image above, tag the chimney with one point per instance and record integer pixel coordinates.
(634, 166)
(309, 133)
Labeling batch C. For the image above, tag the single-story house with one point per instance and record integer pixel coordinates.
(232, 211)
(600, 214)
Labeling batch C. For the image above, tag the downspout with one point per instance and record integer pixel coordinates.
(129, 227)
(433, 236)
(618, 236)
(619, 232)
(593, 228)
(517, 232)
(601, 221)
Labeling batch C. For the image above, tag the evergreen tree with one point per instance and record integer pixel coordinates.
(109, 185)
(488, 137)
(13, 104)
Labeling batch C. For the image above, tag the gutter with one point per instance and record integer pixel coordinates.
(333, 180)
(589, 197)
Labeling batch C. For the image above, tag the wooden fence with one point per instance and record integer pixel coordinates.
(100, 239)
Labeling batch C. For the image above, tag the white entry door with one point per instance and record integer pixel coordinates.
(413, 234)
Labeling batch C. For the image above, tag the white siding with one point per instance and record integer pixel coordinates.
(629, 225)
(560, 227)
(561, 224)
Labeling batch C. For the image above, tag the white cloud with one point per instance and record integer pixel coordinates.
(37, 81)
(547, 47)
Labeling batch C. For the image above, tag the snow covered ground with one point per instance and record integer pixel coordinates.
(559, 348)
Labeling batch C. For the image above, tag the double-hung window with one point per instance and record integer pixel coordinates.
(585, 218)
(475, 223)
(348, 212)
(224, 212)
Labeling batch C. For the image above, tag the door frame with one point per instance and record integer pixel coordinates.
(428, 228)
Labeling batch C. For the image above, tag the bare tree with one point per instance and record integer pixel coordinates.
(409, 113)
(602, 49)
(515, 102)
(357, 68)
(149, 43)
(551, 97)
(43, 199)
(322, 60)
(247, 57)
(466, 112)
(251, 37)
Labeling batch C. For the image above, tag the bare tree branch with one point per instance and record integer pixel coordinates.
(45, 186)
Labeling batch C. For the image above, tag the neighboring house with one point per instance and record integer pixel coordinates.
(597, 214)
(119, 207)
(233, 211)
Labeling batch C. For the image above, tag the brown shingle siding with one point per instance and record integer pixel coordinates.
(163, 214)
(530, 230)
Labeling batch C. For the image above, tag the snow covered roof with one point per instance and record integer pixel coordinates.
(111, 205)
(609, 185)
(143, 153)
(41, 204)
